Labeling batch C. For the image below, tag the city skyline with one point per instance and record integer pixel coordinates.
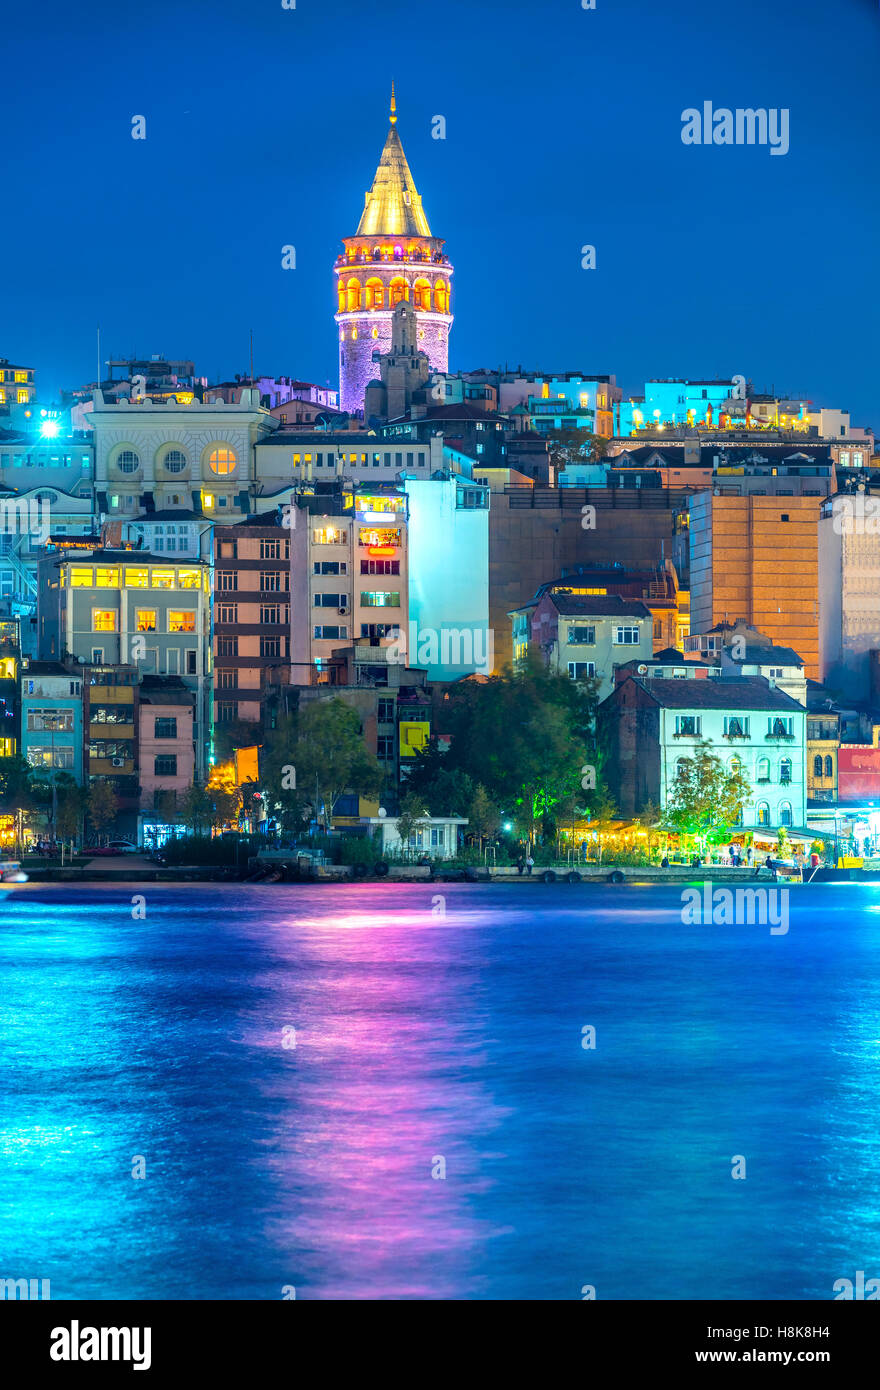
(515, 224)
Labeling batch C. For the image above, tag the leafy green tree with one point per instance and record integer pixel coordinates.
(706, 797)
(289, 797)
(523, 735)
(71, 804)
(330, 755)
(484, 817)
(16, 784)
(445, 791)
(196, 808)
(571, 446)
(103, 804)
(412, 817)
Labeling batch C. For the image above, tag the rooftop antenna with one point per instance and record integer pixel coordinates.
(252, 356)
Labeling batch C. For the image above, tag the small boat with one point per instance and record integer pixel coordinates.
(12, 872)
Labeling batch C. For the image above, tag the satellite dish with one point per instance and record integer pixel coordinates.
(642, 669)
(382, 812)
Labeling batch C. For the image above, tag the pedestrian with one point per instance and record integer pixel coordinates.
(749, 856)
(530, 864)
(520, 864)
(814, 860)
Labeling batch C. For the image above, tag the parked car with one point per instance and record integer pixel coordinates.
(124, 846)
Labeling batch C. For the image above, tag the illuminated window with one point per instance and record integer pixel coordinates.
(377, 598)
(180, 620)
(107, 577)
(128, 461)
(328, 535)
(353, 294)
(80, 577)
(21, 376)
(398, 290)
(162, 579)
(137, 577)
(222, 460)
(146, 620)
(375, 294)
(103, 620)
(441, 297)
(22, 397)
(422, 294)
(188, 579)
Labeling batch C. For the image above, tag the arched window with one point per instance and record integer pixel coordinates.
(763, 813)
(398, 290)
(422, 294)
(785, 813)
(785, 770)
(174, 461)
(441, 297)
(341, 296)
(222, 460)
(680, 766)
(762, 772)
(374, 293)
(829, 766)
(128, 461)
(353, 294)
(735, 766)
(817, 765)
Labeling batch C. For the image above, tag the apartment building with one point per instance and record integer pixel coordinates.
(110, 608)
(52, 717)
(166, 752)
(653, 725)
(585, 636)
(251, 615)
(348, 574)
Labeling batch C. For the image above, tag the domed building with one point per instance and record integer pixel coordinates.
(392, 259)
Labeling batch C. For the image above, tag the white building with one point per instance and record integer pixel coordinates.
(153, 456)
(653, 725)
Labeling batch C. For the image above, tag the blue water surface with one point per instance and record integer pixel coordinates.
(297, 1066)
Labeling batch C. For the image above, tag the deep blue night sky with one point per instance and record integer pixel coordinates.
(264, 127)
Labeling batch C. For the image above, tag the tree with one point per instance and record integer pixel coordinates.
(572, 446)
(103, 804)
(484, 817)
(445, 791)
(16, 784)
(330, 755)
(412, 818)
(288, 796)
(706, 798)
(196, 808)
(70, 807)
(524, 735)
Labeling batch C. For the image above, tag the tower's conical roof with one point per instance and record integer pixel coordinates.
(393, 206)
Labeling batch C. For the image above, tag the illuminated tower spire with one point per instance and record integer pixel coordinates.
(393, 258)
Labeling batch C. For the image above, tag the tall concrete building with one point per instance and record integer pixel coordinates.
(392, 258)
(757, 559)
(849, 585)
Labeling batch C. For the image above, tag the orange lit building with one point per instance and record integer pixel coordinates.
(757, 559)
